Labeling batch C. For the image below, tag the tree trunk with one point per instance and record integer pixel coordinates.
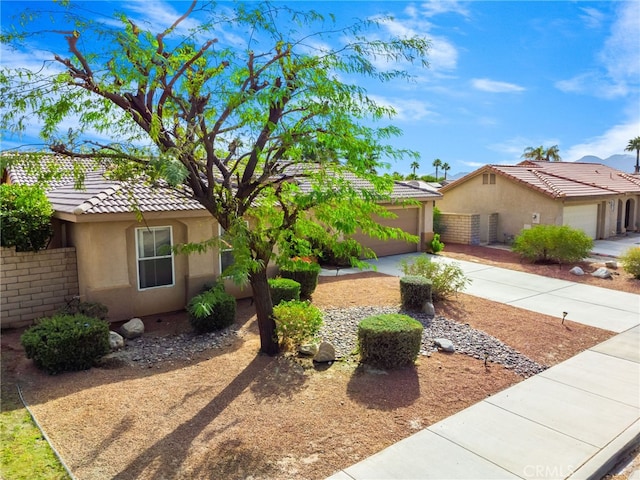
(264, 312)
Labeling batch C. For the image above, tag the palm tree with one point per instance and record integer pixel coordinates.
(634, 144)
(552, 155)
(437, 163)
(414, 166)
(446, 168)
(541, 154)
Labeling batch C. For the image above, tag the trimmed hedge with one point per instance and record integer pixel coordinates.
(25, 217)
(303, 272)
(283, 289)
(296, 322)
(66, 342)
(414, 292)
(212, 310)
(389, 340)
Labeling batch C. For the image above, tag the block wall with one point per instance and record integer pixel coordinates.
(461, 228)
(35, 284)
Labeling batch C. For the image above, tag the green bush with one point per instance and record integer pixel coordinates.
(90, 309)
(297, 322)
(389, 340)
(436, 245)
(303, 272)
(438, 223)
(66, 342)
(446, 278)
(25, 218)
(553, 244)
(212, 310)
(414, 292)
(630, 260)
(283, 289)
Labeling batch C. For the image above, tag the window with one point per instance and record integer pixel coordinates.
(155, 257)
(226, 252)
(488, 178)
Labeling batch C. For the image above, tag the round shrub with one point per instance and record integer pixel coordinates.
(389, 340)
(25, 217)
(66, 342)
(303, 272)
(630, 260)
(553, 244)
(283, 289)
(212, 310)
(446, 278)
(414, 292)
(90, 309)
(296, 322)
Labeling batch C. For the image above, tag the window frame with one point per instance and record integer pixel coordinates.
(139, 259)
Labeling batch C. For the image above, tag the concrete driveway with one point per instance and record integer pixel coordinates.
(616, 246)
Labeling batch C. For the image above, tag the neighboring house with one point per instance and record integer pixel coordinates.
(122, 255)
(506, 199)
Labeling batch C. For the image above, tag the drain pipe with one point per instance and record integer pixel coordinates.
(44, 435)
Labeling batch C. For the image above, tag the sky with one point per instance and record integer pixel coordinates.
(502, 76)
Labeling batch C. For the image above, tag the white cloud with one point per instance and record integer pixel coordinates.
(611, 142)
(494, 86)
(438, 7)
(592, 17)
(406, 109)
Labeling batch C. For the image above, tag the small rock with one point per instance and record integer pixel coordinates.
(116, 342)
(326, 353)
(309, 349)
(602, 272)
(445, 344)
(577, 271)
(429, 309)
(611, 264)
(132, 329)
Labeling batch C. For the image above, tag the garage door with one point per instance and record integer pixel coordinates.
(583, 217)
(408, 220)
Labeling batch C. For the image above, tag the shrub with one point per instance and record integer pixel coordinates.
(90, 309)
(446, 278)
(414, 292)
(389, 340)
(436, 245)
(303, 272)
(212, 310)
(66, 342)
(296, 322)
(339, 253)
(630, 260)
(438, 223)
(25, 218)
(283, 289)
(553, 243)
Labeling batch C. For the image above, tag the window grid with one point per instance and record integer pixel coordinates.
(155, 267)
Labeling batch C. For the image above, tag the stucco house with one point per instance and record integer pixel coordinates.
(121, 261)
(502, 200)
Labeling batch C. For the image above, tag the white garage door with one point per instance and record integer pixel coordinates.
(407, 220)
(584, 217)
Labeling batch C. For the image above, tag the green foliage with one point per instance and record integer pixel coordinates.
(303, 272)
(283, 289)
(438, 223)
(25, 218)
(446, 278)
(212, 310)
(553, 244)
(389, 340)
(66, 342)
(340, 253)
(89, 309)
(436, 245)
(297, 322)
(414, 292)
(630, 260)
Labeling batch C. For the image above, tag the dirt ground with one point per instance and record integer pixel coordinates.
(232, 413)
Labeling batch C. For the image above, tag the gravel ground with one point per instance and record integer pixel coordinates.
(339, 328)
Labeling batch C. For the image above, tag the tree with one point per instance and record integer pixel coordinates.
(541, 154)
(230, 126)
(445, 168)
(437, 163)
(634, 144)
(414, 166)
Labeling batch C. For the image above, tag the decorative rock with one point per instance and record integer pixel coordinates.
(577, 271)
(116, 342)
(132, 329)
(326, 353)
(602, 272)
(429, 309)
(309, 349)
(445, 344)
(611, 264)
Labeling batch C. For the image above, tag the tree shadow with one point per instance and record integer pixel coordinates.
(384, 389)
(284, 378)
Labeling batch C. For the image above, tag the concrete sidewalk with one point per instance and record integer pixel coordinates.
(572, 421)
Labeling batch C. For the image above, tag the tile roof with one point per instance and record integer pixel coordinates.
(563, 179)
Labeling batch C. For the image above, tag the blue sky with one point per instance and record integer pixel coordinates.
(503, 76)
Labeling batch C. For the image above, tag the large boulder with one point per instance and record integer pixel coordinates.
(577, 271)
(116, 342)
(326, 353)
(132, 329)
(602, 272)
(444, 344)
